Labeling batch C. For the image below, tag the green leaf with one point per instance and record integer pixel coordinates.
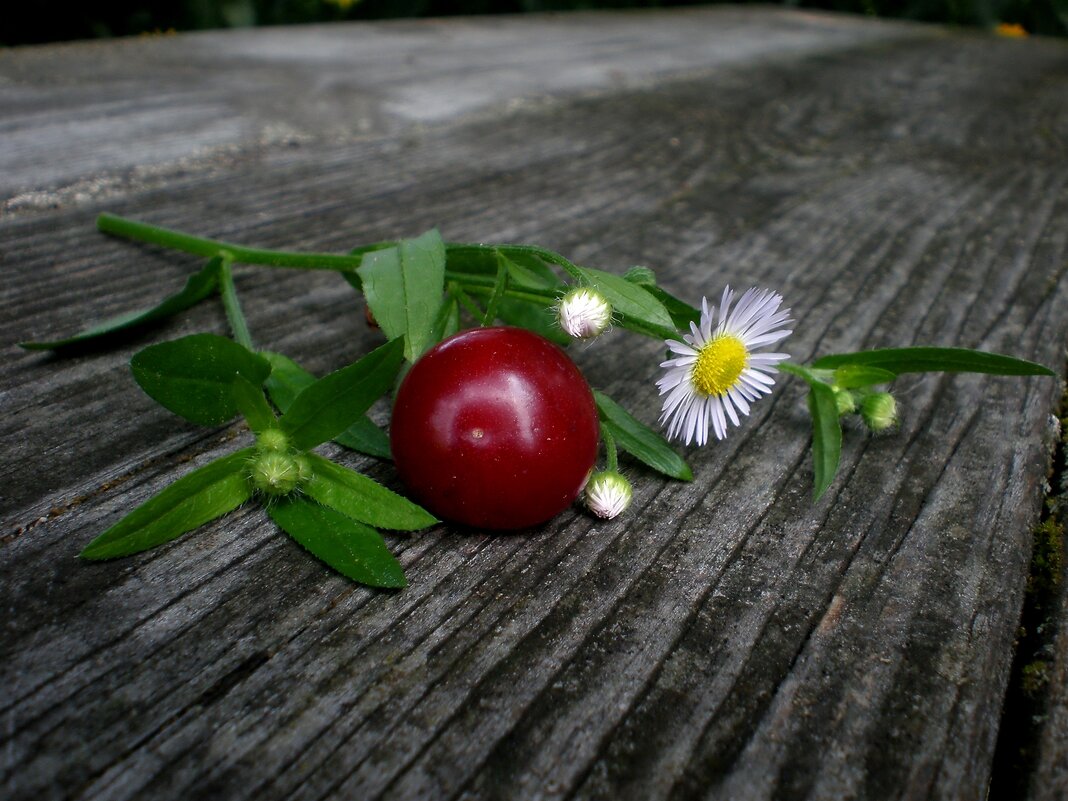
(459, 295)
(472, 259)
(193, 500)
(529, 271)
(682, 314)
(448, 321)
(499, 286)
(350, 275)
(640, 275)
(351, 548)
(928, 359)
(518, 252)
(199, 286)
(639, 440)
(363, 498)
(193, 376)
(404, 287)
(826, 428)
(365, 437)
(826, 436)
(636, 306)
(335, 402)
(534, 316)
(249, 400)
(288, 379)
(855, 376)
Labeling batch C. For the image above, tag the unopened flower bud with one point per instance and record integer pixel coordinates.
(272, 440)
(276, 473)
(879, 411)
(847, 404)
(584, 313)
(608, 494)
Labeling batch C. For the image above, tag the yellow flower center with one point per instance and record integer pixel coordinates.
(719, 363)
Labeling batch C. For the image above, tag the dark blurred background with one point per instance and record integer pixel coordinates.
(23, 22)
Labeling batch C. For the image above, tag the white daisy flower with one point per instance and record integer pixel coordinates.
(717, 371)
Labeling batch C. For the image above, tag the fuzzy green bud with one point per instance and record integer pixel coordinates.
(845, 401)
(608, 494)
(276, 473)
(879, 411)
(584, 313)
(272, 440)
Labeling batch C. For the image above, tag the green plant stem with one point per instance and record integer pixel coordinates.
(799, 370)
(465, 300)
(611, 454)
(201, 246)
(238, 324)
(480, 288)
(499, 288)
(531, 250)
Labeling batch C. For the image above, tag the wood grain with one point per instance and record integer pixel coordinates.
(726, 639)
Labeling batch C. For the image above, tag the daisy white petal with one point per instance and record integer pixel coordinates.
(738, 399)
(719, 367)
(680, 348)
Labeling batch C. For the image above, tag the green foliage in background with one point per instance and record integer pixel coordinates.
(64, 19)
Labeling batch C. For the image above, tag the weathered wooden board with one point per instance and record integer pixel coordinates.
(1049, 778)
(726, 639)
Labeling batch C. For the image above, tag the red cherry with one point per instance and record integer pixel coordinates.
(495, 428)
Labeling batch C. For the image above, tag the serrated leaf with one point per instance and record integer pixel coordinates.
(935, 360)
(365, 437)
(288, 379)
(253, 405)
(193, 500)
(335, 402)
(635, 305)
(363, 498)
(193, 376)
(199, 286)
(350, 275)
(826, 436)
(404, 286)
(351, 548)
(639, 440)
(855, 376)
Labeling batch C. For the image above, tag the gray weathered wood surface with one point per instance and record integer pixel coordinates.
(728, 638)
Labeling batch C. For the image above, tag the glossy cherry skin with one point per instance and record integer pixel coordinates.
(494, 428)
